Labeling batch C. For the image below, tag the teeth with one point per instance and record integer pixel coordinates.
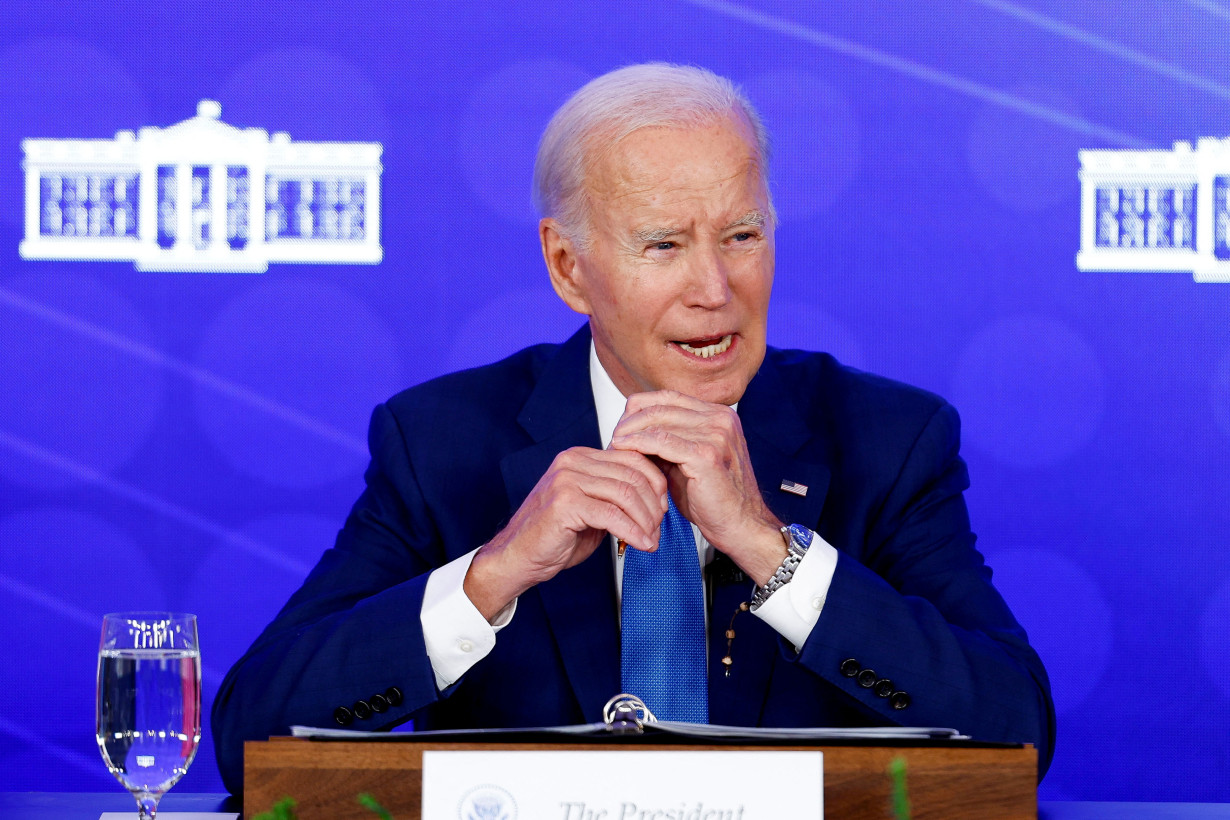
(708, 350)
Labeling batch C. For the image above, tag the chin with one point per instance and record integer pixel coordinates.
(717, 391)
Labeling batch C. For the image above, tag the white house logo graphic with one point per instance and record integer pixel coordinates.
(1157, 210)
(202, 195)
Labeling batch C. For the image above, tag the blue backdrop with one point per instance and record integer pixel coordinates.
(193, 440)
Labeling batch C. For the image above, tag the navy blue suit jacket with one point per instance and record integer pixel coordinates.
(452, 459)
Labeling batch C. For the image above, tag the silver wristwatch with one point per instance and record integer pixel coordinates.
(798, 539)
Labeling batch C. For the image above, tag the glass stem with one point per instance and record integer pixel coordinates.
(147, 805)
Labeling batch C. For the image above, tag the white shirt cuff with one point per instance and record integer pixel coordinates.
(455, 632)
(794, 609)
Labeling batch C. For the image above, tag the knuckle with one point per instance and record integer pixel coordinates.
(612, 516)
(625, 494)
(632, 476)
(564, 483)
(651, 413)
(563, 493)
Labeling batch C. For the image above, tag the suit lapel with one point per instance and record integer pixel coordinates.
(776, 434)
(579, 602)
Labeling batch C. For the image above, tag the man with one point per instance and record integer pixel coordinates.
(511, 510)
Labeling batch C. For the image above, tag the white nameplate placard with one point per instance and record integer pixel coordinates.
(623, 785)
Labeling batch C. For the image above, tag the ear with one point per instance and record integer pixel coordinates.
(563, 264)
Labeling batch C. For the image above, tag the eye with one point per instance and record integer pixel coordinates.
(663, 246)
(743, 236)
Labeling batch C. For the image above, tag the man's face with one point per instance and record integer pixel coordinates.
(677, 277)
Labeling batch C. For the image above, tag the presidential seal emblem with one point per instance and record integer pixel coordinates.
(487, 802)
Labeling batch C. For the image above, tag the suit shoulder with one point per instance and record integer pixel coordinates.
(502, 384)
(828, 389)
(867, 428)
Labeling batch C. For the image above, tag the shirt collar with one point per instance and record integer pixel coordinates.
(608, 401)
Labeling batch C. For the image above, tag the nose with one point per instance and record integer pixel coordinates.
(709, 284)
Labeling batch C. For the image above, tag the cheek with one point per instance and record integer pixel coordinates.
(755, 285)
(608, 290)
(636, 303)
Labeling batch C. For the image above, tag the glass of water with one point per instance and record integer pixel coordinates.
(149, 701)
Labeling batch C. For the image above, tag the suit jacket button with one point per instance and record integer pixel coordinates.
(850, 667)
(899, 700)
(380, 703)
(343, 716)
(867, 678)
(394, 696)
(883, 687)
(362, 709)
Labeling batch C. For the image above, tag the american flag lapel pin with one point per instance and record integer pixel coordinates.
(794, 487)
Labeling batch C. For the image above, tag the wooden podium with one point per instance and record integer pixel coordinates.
(946, 782)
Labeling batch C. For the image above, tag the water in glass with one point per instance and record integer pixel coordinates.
(149, 701)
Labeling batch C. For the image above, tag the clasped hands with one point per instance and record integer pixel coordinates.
(665, 442)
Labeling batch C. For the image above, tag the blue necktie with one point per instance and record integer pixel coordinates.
(662, 656)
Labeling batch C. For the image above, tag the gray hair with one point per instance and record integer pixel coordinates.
(612, 106)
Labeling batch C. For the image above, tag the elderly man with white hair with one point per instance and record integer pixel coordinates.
(662, 504)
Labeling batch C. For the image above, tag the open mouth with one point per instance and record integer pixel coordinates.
(707, 348)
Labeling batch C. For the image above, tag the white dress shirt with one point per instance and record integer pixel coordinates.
(458, 636)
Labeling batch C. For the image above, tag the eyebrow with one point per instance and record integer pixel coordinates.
(754, 218)
(654, 234)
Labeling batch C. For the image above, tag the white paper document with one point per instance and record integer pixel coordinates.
(699, 731)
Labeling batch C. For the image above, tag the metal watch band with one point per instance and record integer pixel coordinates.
(798, 539)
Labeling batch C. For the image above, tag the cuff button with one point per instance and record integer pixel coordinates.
(379, 703)
(850, 667)
(883, 688)
(362, 709)
(394, 696)
(867, 678)
(899, 700)
(343, 716)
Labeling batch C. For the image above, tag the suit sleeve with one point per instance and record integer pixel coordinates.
(916, 606)
(352, 630)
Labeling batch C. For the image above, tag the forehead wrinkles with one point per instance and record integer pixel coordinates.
(650, 196)
(677, 178)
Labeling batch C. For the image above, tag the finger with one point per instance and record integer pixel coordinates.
(670, 398)
(696, 420)
(627, 479)
(693, 456)
(599, 514)
(663, 407)
(651, 548)
(636, 503)
(624, 465)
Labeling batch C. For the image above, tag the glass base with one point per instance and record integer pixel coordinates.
(147, 805)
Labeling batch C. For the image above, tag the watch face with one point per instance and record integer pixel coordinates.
(800, 536)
